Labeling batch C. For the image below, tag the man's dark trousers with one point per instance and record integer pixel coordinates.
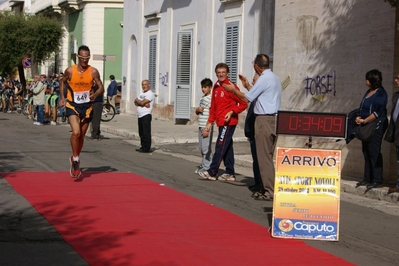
(145, 131)
(96, 120)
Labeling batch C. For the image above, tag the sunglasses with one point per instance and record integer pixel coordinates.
(83, 57)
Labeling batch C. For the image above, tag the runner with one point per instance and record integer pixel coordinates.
(79, 102)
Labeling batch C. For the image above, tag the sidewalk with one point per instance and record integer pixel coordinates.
(167, 132)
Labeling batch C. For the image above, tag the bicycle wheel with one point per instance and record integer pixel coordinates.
(25, 108)
(34, 113)
(108, 112)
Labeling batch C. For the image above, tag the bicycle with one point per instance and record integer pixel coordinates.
(25, 106)
(108, 112)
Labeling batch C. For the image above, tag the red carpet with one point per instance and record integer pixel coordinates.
(124, 219)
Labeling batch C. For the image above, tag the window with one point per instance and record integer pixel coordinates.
(183, 72)
(183, 75)
(152, 61)
(231, 55)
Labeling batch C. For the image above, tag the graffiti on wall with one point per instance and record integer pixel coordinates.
(321, 84)
(163, 79)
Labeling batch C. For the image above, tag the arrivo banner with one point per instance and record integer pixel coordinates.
(307, 194)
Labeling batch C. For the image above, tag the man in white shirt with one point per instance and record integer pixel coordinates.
(267, 94)
(39, 98)
(145, 103)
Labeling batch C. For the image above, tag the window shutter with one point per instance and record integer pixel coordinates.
(183, 72)
(183, 75)
(232, 30)
(152, 61)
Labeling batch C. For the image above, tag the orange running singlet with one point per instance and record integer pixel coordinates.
(80, 85)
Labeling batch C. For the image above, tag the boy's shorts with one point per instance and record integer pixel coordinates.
(83, 111)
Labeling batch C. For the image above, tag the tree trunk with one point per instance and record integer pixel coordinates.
(21, 73)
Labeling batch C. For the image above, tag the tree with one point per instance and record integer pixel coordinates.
(24, 35)
(393, 3)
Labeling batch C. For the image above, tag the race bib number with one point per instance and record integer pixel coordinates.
(81, 97)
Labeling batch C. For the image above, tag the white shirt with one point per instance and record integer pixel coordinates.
(267, 93)
(142, 110)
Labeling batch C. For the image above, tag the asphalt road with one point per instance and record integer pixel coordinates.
(368, 228)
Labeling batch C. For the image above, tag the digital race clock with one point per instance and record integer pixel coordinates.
(311, 124)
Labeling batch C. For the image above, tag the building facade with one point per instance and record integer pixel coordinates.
(321, 51)
(325, 49)
(175, 44)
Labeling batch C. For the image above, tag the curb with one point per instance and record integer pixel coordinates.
(380, 194)
(155, 139)
(375, 193)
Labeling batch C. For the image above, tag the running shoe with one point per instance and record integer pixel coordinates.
(75, 168)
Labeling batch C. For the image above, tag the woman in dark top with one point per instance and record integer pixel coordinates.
(373, 106)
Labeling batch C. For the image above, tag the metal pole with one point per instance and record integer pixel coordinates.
(104, 56)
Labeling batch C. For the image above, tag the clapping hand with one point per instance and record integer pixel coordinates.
(229, 87)
(244, 81)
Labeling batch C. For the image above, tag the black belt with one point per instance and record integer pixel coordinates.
(274, 114)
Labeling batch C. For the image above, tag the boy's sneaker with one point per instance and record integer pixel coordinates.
(38, 123)
(52, 123)
(199, 169)
(75, 168)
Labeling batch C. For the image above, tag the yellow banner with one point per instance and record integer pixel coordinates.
(307, 194)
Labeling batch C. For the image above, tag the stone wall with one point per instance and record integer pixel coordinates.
(325, 48)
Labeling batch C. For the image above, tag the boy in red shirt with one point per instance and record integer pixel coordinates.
(225, 107)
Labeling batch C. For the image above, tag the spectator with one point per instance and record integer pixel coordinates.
(394, 129)
(29, 96)
(112, 91)
(39, 98)
(249, 131)
(95, 132)
(8, 94)
(55, 92)
(204, 137)
(48, 93)
(373, 106)
(19, 91)
(266, 93)
(145, 103)
(224, 112)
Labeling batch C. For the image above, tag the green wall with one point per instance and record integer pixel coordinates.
(75, 27)
(113, 34)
